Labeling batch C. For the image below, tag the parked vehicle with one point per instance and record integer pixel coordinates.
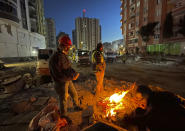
(2, 65)
(42, 69)
(83, 57)
(110, 57)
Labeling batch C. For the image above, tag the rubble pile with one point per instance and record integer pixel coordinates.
(47, 119)
(38, 107)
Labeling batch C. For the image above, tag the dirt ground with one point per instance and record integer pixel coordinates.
(171, 78)
(118, 76)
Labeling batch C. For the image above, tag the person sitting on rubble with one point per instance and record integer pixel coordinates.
(62, 74)
(164, 111)
(99, 68)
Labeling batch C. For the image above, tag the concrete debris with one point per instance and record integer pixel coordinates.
(32, 99)
(45, 119)
(11, 80)
(28, 80)
(52, 100)
(14, 87)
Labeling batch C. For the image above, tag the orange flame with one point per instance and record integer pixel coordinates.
(115, 102)
(60, 123)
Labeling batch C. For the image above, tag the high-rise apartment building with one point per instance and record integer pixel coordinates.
(17, 39)
(74, 38)
(50, 33)
(137, 13)
(36, 9)
(88, 33)
(177, 8)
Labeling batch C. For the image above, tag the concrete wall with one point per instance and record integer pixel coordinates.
(18, 42)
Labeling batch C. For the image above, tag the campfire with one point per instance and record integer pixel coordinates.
(115, 103)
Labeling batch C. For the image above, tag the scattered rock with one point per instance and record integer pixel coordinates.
(50, 85)
(28, 80)
(52, 100)
(32, 99)
(14, 87)
(11, 80)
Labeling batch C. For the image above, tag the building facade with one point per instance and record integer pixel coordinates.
(74, 38)
(107, 47)
(116, 44)
(50, 33)
(16, 37)
(138, 13)
(88, 33)
(36, 9)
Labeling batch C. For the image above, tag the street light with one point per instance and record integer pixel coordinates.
(81, 44)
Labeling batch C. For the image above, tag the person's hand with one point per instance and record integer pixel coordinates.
(76, 77)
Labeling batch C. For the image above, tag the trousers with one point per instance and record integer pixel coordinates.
(64, 89)
(99, 78)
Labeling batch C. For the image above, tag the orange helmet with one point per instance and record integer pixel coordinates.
(64, 41)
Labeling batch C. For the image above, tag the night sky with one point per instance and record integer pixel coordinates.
(64, 13)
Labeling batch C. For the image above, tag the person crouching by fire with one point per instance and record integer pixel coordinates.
(164, 112)
(62, 74)
(99, 68)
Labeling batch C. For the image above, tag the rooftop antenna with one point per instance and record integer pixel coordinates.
(84, 11)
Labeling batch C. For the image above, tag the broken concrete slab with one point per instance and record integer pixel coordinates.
(11, 80)
(14, 87)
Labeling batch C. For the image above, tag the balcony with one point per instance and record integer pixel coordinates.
(32, 8)
(132, 2)
(34, 20)
(121, 13)
(9, 16)
(132, 15)
(33, 15)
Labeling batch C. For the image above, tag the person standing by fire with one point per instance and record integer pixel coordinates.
(62, 74)
(99, 67)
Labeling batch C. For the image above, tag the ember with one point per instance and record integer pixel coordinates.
(62, 122)
(111, 105)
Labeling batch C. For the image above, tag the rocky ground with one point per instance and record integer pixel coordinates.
(20, 105)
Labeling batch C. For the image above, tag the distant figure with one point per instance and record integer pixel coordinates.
(63, 74)
(164, 112)
(99, 67)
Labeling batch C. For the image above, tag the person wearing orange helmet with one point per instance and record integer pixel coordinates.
(62, 74)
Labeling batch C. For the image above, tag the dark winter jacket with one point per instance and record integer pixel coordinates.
(60, 68)
(98, 61)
